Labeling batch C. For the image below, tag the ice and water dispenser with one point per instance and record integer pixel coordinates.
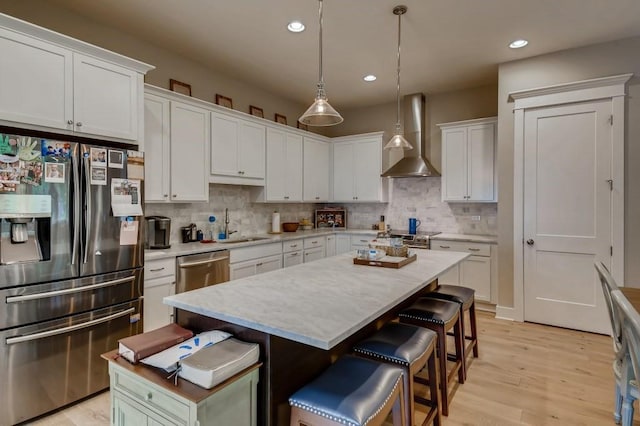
(25, 228)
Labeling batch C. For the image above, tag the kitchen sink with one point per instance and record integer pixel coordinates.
(243, 240)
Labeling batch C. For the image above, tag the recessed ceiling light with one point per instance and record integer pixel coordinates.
(517, 44)
(295, 26)
(369, 77)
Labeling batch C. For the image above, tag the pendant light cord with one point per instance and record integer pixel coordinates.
(399, 12)
(320, 76)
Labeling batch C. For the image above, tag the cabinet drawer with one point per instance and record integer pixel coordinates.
(292, 258)
(314, 242)
(150, 396)
(159, 268)
(254, 252)
(289, 246)
(476, 249)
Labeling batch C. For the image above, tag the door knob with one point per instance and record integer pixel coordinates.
(530, 241)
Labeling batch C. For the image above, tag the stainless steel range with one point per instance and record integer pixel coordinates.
(420, 240)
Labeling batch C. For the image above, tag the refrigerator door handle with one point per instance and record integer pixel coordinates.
(76, 210)
(87, 218)
(35, 296)
(55, 332)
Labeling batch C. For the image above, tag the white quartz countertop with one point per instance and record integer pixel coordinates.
(182, 249)
(318, 303)
(491, 239)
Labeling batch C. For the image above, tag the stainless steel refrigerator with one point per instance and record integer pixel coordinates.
(71, 268)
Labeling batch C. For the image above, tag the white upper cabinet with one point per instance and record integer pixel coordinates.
(468, 160)
(177, 137)
(284, 166)
(55, 83)
(237, 150)
(357, 165)
(317, 169)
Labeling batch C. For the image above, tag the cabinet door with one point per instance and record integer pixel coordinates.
(189, 150)
(476, 274)
(36, 85)
(343, 243)
(452, 276)
(454, 164)
(125, 414)
(366, 167)
(316, 170)
(251, 147)
(331, 245)
(293, 167)
(481, 155)
(343, 173)
(157, 149)
(266, 264)
(311, 255)
(242, 270)
(156, 313)
(224, 145)
(293, 258)
(105, 98)
(275, 186)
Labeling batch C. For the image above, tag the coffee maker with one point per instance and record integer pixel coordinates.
(158, 232)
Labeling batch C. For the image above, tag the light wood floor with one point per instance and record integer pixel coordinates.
(527, 374)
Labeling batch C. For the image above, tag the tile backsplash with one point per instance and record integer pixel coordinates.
(409, 197)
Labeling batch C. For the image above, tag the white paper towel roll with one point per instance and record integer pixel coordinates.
(275, 222)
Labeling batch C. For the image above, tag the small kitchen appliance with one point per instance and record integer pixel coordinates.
(421, 240)
(158, 232)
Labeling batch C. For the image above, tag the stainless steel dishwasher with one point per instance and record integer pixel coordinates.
(201, 270)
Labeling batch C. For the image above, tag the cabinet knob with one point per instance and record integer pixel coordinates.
(530, 242)
(286, 198)
(79, 124)
(166, 195)
(69, 121)
(317, 198)
(148, 396)
(174, 195)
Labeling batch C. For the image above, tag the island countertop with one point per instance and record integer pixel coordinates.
(319, 303)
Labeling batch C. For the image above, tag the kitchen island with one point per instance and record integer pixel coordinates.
(306, 316)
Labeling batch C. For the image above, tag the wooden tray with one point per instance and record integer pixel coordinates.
(385, 264)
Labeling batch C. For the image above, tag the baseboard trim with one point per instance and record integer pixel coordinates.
(505, 313)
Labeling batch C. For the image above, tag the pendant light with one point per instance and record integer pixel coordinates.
(398, 140)
(320, 113)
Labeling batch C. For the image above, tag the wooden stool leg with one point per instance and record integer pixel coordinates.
(463, 367)
(459, 342)
(434, 382)
(399, 410)
(408, 398)
(474, 329)
(442, 360)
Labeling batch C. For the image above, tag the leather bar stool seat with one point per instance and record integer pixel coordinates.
(413, 348)
(465, 297)
(353, 391)
(440, 316)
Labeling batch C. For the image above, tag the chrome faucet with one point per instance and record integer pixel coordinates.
(226, 224)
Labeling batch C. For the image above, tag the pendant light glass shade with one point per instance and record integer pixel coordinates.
(321, 113)
(398, 140)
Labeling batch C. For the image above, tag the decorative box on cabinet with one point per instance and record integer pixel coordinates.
(142, 395)
(177, 135)
(237, 150)
(159, 282)
(468, 160)
(88, 91)
(283, 181)
(316, 170)
(477, 271)
(357, 165)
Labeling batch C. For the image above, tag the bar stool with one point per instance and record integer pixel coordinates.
(413, 348)
(353, 391)
(440, 316)
(465, 297)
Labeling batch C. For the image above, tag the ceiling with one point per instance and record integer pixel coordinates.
(446, 44)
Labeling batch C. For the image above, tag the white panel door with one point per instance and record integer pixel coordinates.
(343, 173)
(105, 98)
(480, 152)
(367, 170)
(343, 243)
(156, 313)
(276, 165)
(454, 164)
(189, 153)
(475, 273)
(331, 245)
(224, 145)
(316, 170)
(157, 149)
(251, 146)
(36, 85)
(293, 167)
(567, 214)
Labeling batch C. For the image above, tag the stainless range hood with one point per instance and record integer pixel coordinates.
(415, 163)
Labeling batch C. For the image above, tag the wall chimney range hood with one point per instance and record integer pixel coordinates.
(415, 162)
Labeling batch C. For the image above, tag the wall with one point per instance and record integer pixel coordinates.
(205, 82)
(594, 61)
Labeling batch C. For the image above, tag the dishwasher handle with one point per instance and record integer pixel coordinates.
(202, 262)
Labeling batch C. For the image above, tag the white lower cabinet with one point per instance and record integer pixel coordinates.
(361, 241)
(476, 272)
(330, 245)
(313, 248)
(292, 258)
(343, 243)
(143, 398)
(159, 282)
(253, 260)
